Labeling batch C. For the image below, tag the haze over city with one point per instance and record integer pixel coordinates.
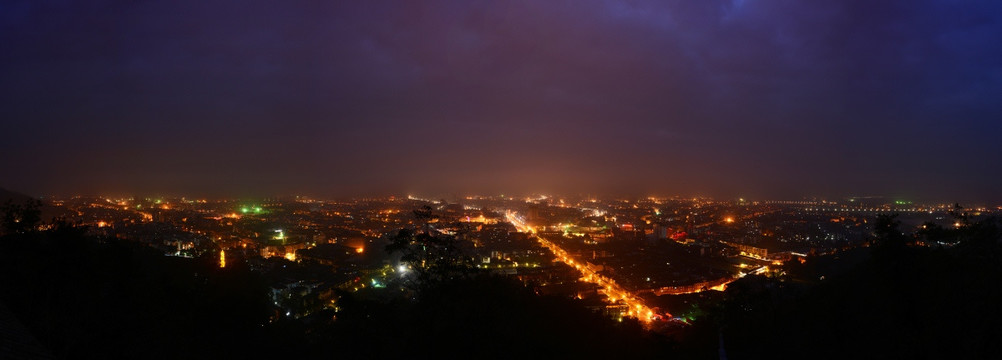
(760, 99)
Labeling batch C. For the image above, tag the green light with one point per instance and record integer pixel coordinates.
(159, 201)
(244, 210)
(257, 209)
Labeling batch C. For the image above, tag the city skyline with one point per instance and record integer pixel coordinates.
(875, 201)
(724, 99)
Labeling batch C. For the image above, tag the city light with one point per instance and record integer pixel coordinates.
(711, 231)
(612, 291)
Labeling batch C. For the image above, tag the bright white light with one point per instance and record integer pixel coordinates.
(401, 268)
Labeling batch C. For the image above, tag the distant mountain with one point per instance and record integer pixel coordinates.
(49, 211)
(11, 195)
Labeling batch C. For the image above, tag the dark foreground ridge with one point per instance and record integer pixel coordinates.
(84, 296)
(892, 300)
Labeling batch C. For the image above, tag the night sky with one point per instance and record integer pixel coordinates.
(761, 99)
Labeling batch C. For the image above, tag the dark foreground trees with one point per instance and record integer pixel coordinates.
(889, 301)
(19, 217)
(89, 297)
(481, 317)
(83, 297)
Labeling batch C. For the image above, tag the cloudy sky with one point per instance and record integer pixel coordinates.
(753, 98)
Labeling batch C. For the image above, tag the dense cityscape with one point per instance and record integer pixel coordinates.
(626, 253)
(659, 261)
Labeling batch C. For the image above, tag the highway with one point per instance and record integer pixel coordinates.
(612, 291)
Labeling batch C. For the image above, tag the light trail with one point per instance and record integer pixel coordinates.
(613, 292)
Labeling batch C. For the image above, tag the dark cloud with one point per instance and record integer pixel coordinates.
(752, 97)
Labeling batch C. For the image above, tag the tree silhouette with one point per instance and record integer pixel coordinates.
(20, 218)
(433, 256)
(887, 230)
(963, 217)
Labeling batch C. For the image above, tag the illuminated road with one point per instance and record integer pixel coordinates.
(612, 291)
